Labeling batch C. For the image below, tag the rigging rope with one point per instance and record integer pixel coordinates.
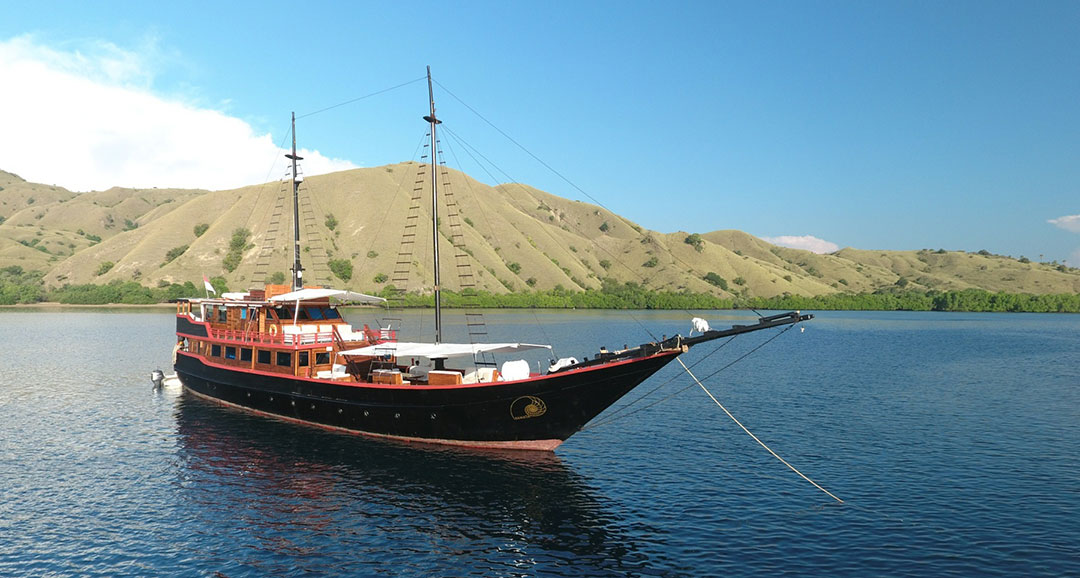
(754, 437)
(514, 181)
(618, 413)
(352, 100)
(677, 392)
(568, 181)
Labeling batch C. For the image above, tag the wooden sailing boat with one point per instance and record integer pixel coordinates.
(286, 352)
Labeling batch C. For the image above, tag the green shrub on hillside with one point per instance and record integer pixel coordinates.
(341, 268)
(174, 253)
(237, 244)
(717, 280)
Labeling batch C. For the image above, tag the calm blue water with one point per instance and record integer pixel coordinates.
(952, 438)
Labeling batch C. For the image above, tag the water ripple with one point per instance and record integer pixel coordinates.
(952, 438)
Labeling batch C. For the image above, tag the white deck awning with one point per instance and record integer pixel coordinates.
(439, 350)
(337, 295)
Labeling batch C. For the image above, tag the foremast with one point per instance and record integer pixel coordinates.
(432, 121)
(297, 268)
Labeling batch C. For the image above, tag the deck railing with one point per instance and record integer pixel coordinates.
(282, 338)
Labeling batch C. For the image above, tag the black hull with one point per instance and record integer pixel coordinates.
(538, 413)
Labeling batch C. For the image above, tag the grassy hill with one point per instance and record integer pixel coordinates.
(511, 238)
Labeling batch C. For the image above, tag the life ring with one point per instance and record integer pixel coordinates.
(273, 330)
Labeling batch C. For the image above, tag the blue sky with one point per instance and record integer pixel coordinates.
(876, 125)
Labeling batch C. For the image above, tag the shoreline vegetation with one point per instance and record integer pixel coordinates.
(18, 287)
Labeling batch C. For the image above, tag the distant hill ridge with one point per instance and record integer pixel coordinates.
(515, 238)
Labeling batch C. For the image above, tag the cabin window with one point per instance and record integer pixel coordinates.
(322, 358)
(215, 350)
(221, 315)
(315, 313)
(230, 352)
(264, 356)
(243, 314)
(302, 357)
(245, 354)
(331, 314)
(284, 358)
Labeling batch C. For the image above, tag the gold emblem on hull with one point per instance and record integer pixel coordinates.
(527, 406)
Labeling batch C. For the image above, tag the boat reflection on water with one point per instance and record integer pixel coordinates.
(285, 497)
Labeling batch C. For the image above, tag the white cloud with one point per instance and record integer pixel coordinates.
(1070, 223)
(86, 119)
(806, 242)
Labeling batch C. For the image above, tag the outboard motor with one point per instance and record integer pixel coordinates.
(157, 376)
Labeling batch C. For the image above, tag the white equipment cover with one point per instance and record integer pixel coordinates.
(336, 294)
(439, 350)
(515, 370)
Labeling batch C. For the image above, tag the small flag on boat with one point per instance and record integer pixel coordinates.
(209, 287)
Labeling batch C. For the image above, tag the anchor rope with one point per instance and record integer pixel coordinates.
(751, 434)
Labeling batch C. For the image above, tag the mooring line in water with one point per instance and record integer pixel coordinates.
(751, 434)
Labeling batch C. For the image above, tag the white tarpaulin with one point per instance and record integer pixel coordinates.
(336, 294)
(439, 350)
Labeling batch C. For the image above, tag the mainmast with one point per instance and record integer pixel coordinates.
(297, 269)
(434, 210)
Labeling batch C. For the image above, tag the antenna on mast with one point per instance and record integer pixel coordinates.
(297, 268)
